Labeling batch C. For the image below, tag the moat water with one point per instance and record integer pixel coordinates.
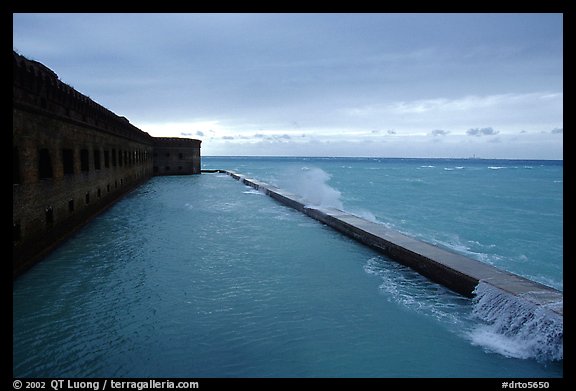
(201, 276)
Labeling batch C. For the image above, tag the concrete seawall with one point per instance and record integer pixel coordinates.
(457, 272)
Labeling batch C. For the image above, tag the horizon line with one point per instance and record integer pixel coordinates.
(374, 157)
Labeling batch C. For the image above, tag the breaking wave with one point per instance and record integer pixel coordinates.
(516, 328)
(312, 185)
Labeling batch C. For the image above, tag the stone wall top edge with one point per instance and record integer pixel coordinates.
(30, 74)
(174, 141)
(40, 81)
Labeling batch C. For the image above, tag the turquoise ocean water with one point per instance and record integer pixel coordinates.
(201, 276)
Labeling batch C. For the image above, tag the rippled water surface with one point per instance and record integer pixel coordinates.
(201, 276)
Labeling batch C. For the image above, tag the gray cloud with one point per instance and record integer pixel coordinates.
(482, 132)
(439, 132)
(200, 133)
(557, 130)
(278, 138)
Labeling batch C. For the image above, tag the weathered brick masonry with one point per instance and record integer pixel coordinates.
(72, 158)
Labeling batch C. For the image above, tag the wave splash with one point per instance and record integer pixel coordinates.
(312, 185)
(516, 328)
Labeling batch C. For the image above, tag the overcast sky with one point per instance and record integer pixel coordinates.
(387, 85)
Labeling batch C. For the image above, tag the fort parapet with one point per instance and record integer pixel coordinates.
(72, 158)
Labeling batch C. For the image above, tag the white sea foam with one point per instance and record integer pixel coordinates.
(496, 167)
(253, 191)
(406, 287)
(514, 327)
(365, 214)
(470, 248)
